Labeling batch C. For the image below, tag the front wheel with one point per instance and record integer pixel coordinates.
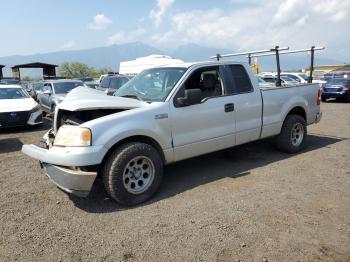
(132, 173)
(293, 134)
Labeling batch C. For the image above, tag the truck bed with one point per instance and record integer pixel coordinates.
(277, 101)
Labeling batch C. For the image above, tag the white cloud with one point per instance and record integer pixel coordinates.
(122, 37)
(239, 2)
(100, 22)
(157, 15)
(68, 45)
(294, 23)
(302, 20)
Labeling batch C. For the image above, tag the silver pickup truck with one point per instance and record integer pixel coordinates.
(164, 115)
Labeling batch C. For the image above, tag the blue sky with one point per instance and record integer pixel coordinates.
(38, 26)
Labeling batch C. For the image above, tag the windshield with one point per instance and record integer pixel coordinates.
(92, 85)
(270, 80)
(287, 78)
(260, 80)
(37, 86)
(65, 87)
(13, 93)
(152, 84)
(304, 76)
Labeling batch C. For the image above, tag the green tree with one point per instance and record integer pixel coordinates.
(98, 72)
(75, 70)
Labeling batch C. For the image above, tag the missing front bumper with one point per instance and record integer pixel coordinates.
(75, 182)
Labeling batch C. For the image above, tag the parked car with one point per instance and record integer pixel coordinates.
(285, 80)
(164, 115)
(337, 88)
(54, 91)
(301, 78)
(110, 84)
(263, 83)
(9, 81)
(34, 88)
(92, 84)
(17, 108)
(289, 81)
(86, 79)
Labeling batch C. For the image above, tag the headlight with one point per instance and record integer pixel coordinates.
(73, 136)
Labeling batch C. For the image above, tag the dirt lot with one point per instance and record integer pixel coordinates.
(250, 203)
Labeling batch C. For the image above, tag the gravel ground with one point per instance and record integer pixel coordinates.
(250, 203)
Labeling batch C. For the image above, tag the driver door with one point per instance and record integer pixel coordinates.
(208, 126)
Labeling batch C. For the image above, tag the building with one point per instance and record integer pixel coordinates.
(49, 70)
(324, 69)
(1, 74)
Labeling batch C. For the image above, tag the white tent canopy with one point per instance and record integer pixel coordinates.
(134, 67)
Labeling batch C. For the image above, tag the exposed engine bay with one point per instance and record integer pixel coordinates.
(65, 117)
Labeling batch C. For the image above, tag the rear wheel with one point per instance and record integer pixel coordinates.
(293, 134)
(132, 173)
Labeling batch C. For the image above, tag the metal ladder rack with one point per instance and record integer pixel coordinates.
(277, 51)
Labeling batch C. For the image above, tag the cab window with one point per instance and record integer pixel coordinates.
(241, 81)
(208, 80)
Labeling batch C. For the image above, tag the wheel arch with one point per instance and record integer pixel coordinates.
(297, 110)
(136, 138)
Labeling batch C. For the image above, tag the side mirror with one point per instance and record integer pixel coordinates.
(47, 92)
(192, 97)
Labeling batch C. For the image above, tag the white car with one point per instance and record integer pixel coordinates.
(300, 77)
(17, 108)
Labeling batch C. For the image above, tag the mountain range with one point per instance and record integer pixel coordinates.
(111, 56)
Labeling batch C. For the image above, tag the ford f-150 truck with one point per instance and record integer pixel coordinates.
(164, 115)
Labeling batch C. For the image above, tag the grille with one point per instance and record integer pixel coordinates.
(12, 119)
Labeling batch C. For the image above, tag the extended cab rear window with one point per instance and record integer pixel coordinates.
(240, 79)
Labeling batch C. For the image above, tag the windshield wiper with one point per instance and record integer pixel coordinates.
(132, 96)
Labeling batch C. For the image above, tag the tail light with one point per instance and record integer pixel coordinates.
(319, 93)
(346, 88)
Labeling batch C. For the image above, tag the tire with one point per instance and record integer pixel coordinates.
(347, 98)
(323, 99)
(290, 140)
(122, 179)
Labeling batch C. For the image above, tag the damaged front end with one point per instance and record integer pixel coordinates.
(73, 167)
(76, 118)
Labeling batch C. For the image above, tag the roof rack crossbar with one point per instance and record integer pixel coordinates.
(311, 50)
(248, 53)
(277, 52)
(289, 52)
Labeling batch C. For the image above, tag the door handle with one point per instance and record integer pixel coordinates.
(229, 107)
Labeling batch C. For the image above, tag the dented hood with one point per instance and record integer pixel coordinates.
(84, 98)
